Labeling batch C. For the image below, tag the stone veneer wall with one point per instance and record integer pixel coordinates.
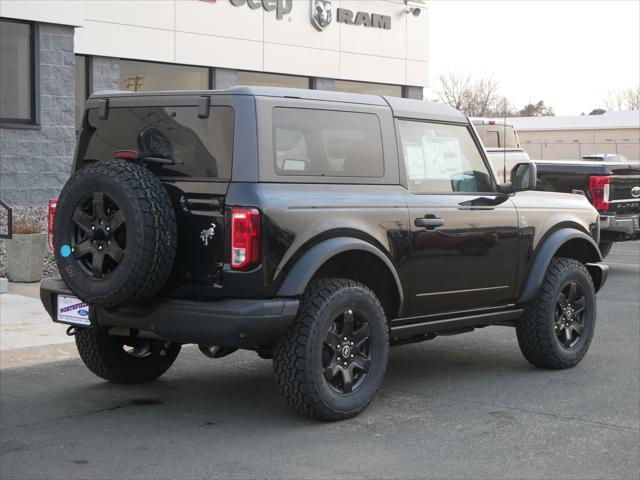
(35, 162)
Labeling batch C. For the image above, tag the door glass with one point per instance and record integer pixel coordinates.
(442, 159)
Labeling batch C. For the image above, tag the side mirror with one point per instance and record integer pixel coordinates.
(523, 177)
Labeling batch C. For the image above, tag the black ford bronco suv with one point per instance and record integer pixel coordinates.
(316, 228)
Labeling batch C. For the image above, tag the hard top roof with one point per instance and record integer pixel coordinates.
(402, 107)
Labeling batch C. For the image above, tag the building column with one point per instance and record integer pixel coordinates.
(35, 161)
(415, 93)
(224, 78)
(323, 84)
(104, 74)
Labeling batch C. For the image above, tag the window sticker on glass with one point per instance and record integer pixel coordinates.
(415, 162)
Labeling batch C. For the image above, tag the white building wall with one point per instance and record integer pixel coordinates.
(223, 35)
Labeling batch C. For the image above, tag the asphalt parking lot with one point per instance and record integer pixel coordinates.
(467, 406)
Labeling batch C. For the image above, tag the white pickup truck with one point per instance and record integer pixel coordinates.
(501, 143)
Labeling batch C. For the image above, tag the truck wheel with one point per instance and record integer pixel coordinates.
(114, 234)
(124, 359)
(556, 328)
(330, 363)
(605, 248)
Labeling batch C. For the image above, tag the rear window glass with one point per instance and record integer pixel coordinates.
(497, 136)
(327, 143)
(200, 147)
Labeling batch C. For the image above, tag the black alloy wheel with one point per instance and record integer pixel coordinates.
(557, 326)
(346, 356)
(569, 315)
(330, 362)
(99, 234)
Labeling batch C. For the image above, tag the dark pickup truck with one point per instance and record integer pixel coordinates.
(612, 187)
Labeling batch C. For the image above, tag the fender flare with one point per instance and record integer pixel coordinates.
(547, 251)
(306, 266)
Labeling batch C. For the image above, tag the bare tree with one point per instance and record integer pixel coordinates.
(503, 108)
(454, 89)
(623, 99)
(475, 98)
(632, 98)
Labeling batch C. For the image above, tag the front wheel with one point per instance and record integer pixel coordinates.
(330, 363)
(556, 328)
(124, 359)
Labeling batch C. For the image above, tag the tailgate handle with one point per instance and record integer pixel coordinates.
(207, 204)
(429, 223)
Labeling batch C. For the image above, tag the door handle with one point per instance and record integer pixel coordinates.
(429, 223)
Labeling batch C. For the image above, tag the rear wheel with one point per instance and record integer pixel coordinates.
(124, 359)
(556, 328)
(331, 361)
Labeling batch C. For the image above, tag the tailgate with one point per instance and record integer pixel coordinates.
(625, 189)
(192, 151)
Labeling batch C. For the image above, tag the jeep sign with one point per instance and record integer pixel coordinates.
(321, 13)
(282, 7)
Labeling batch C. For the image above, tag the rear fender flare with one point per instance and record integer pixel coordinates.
(308, 264)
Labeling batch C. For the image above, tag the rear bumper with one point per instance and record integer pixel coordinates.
(620, 227)
(229, 322)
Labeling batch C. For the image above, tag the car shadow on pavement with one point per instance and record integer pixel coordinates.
(205, 392)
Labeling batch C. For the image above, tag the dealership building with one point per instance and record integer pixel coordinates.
(54, 54)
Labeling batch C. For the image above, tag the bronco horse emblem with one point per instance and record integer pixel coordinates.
(321, 15)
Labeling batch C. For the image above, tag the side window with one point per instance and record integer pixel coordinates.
(327, 143)
(442, 159)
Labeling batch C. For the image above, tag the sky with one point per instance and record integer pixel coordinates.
(569, 53)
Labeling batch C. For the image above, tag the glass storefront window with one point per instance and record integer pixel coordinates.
(148, 76)
(250, 79)
(81, 89)
(368, 88)
(16, 72)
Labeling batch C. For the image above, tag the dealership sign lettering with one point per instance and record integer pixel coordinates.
(281, 7)
(321, 13)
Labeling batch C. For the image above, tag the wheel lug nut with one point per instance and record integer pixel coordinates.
(352, 355)
(345, 364)
(345, 339)
(100, 247)
(93, 227)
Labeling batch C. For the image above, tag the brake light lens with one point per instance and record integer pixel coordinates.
(126, 155)
(599, 186)
(245, 238)
(53, 203)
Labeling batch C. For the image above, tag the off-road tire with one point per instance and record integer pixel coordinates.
(605, 248)
(536, 328)
(105, 356)
(150, 234)
(297, 365)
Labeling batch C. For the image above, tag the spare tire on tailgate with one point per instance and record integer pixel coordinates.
(114, 234)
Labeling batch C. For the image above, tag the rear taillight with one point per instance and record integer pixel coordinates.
(245, 238)
(599, 189)
(52, 210)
